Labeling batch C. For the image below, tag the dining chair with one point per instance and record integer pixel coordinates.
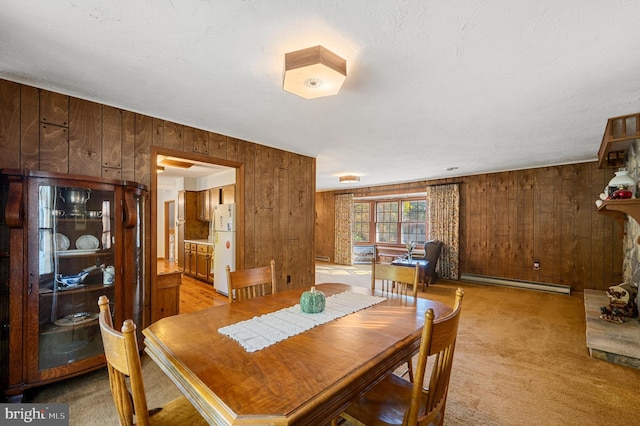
(395, 401)
(250, 283)
(395, 278)
(432, 251)
(123, 359)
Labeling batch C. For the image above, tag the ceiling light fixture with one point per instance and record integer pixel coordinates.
(175, 163)
(349, 179)
(313, 72)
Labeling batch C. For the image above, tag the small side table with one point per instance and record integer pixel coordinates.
(422, 269)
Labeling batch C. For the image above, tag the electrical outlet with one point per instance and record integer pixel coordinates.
(536, 265)
(288, 279)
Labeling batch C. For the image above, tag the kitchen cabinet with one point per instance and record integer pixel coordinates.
(214, 200)
(207, 199)
(210, 264)
(70, 239)
(204, 262)
(204, 206)
(228, 194)
(199, 260)
(187, 224)
(190, 257)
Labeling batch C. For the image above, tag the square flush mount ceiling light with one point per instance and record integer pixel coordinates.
(313, 72)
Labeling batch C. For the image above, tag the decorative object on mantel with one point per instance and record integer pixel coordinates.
(622, 303)
(312, 301)
(622, 193)
(622, 181)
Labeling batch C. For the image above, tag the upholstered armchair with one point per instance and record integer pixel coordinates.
(432, 251)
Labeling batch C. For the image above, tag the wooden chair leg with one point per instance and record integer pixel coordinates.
(410, 369)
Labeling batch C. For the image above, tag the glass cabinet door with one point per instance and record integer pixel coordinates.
(136, 247)
(76, 258)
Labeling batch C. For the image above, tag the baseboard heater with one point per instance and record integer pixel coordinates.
(529, 285)
(323, 258)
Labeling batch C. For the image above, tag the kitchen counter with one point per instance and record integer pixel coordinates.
(203, 241)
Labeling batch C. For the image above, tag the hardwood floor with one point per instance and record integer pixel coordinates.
(194, 294)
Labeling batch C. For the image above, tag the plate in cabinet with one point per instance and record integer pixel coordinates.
(87, 242)
(71, 253)
(77, 319)
(62, 242)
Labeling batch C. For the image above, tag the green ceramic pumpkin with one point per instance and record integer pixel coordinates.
(312, 301)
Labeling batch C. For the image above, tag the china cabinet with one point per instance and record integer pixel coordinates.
(70, 240)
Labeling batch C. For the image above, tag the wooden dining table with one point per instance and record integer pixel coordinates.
(306, 379)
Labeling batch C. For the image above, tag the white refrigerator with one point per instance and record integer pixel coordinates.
(224, 240)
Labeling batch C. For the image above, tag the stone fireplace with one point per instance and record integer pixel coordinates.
(618, 343)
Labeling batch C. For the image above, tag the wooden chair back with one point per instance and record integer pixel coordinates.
(438, 341)
(396, 401)
(123, 359)
(432, 250)
(394, 278)
(250, 283)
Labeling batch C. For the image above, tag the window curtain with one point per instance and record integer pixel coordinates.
(343, 236)
(444, 220)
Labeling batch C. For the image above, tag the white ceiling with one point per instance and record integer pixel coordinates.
(432, 84)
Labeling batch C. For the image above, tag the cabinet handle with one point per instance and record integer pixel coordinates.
(30, 288)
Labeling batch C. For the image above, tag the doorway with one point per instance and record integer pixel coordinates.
(164, 212)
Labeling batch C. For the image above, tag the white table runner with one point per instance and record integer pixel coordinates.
(259, 332)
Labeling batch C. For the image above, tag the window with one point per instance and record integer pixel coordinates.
(387, 222)
(394, 221)
(414, 221)
(361, 222)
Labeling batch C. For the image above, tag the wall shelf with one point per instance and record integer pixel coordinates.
(619, 135)
(620, 209)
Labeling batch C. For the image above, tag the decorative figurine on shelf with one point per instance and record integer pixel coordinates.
(312, 301)
(622, 303)
(71, 280)
(410, 246)
(622, 193)
(108, 275)
(621, 179)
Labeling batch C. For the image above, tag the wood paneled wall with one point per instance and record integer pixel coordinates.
(43, 130)
(510, 219)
